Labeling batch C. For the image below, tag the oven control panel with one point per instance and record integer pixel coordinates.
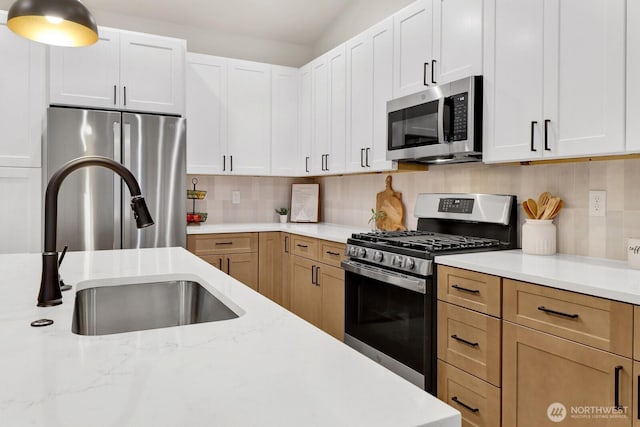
(463, 206)
(389, 259)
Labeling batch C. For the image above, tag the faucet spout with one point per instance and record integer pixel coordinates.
(50, 293)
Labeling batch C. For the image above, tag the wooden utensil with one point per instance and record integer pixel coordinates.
(390, 202)
(543, 201)
(551, 207)
(556, 211)
(533, 207)
(527, 210)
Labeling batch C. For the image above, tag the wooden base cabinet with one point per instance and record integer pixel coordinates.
(269, 262)
(545, 378)
(331, 280)
(477, 400)
(306, 298)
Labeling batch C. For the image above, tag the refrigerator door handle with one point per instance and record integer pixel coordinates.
(126, 161)
(117, 188)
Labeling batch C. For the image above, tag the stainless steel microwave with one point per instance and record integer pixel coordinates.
(442, 124)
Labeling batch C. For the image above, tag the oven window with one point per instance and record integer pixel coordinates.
(386, 317)
(414, 126)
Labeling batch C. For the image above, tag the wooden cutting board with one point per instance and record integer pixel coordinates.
(390, 202)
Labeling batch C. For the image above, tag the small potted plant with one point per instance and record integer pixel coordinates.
(283, 214)
(375, 216)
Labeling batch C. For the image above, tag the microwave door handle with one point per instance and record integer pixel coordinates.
(441, 139)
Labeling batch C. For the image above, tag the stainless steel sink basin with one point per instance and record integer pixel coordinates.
(108, 310)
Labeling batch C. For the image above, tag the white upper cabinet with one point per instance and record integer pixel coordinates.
(303, 162)
(22, 103)
(71, 68)
(249, 118)
(554, 79)
(457, 40)
(124, 70)
(334, 159)
(369, 87)
(206, 110)
(413, 48)
(152, 73)
(319, 113)
(284, 120)
(633, 71)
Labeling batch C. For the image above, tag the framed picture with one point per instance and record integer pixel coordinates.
(305, 202)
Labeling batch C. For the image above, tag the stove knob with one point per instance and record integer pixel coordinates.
(361, 253)
(377, 256)
(397, 261)
(409, 263)
(351, 251)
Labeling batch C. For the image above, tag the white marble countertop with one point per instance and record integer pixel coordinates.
(333, 232)
(593, 276)
(267, 367)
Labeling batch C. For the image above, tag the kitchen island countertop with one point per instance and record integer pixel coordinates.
(267, 367)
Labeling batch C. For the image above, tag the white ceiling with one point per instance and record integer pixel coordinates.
(293, 21)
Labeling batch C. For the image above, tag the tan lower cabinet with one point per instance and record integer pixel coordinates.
(285, 266)
(546, 378)
(269, 263)
(477, 400)
(306, 300)
(331, 280)
(635, 409)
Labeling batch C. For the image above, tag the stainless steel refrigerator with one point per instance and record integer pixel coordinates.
(93, 203)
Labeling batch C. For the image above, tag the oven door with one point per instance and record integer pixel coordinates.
(389, 317)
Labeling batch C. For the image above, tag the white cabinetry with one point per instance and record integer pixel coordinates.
(413, 48)
(554, 79)
(633, 71)
(457, 39)
(369, 87)
(20, 210)
(124, 70)
(284, 120)
(303, 163)
(319, 113)
(249, 118)
(206, 113)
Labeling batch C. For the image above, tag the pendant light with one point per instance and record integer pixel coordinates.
(54, 22)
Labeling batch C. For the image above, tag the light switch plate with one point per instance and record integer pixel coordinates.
(235, 197)
(597, 203)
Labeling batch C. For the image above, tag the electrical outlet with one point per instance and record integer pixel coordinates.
(235, 197)
(597, 203)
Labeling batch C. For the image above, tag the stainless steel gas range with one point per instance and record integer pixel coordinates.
(390, 293)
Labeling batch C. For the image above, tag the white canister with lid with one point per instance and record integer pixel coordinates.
(539, 237)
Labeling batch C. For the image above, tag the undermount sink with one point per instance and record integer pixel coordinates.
(109, 310)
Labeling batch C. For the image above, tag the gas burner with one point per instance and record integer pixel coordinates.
(426, 240)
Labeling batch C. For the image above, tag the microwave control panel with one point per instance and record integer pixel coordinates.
(459, 110)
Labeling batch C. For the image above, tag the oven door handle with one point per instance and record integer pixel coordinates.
(401, 280)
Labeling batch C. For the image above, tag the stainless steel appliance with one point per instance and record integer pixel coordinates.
(442, 124)
(390, 294)
(93, 211)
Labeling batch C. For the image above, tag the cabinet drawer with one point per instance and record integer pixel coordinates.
(205, 244)
(476, 291)
(304, 246)
(331, 253)
(470, 341)
(593, 321)
(477, 401)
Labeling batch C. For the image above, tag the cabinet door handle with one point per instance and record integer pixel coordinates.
(366, 156)
(125, 95)
(638, 409)
(424, 74)
(533, 128)
(313, 270)
(557, 313)
(326, 162)
(317, 281)
(224, 163)
(231, 163)
(464, 405)
(333, 253)
(362, 157)
(228, 266)
(462, 340)
(115, 94)
(546, 135)
(220, 263)
(300, 245)
(306, 164)
(224, 243)
(286, 244)
(470, 291)
(616, 385)
(433, 67)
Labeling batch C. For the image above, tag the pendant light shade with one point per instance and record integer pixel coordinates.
(54, 22)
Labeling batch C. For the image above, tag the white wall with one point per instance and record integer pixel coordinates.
(359, 16)
(209, 41)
